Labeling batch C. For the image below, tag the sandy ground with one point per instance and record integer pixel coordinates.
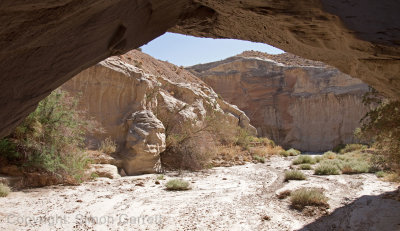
(224, 198)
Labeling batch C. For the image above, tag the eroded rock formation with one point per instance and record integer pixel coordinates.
(296, 102)
(44, 43)
(130, 94)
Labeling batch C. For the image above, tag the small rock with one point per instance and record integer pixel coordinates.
(157, 182)
(266, 218)
(224, 178)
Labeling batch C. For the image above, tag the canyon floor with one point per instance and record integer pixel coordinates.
(223, 198)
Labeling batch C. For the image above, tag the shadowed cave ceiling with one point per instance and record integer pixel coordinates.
(43, 43)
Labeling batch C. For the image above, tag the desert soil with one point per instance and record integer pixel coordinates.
(224, 198)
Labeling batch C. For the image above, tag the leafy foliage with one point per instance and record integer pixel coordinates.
(52, 137)
(381, 125)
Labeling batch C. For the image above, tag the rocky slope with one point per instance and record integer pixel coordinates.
(296, 102)
(131, 95)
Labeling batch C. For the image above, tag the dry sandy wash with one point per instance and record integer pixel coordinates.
(223, 198)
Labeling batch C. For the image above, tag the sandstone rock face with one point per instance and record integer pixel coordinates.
(145, 140)
(104, 170)
(130, 95)
(45, 43)
(297, 103)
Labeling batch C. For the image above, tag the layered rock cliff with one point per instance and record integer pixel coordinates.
(296, 102)
(131, 95)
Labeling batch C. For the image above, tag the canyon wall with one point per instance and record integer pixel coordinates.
(296, 102)
(132, 95)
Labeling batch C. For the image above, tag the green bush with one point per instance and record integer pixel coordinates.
(4, 190)
(51, 138)
(303, 197)
(329, 155)
(355, 166)
(304, 159)
(259, 159)
(8, 149)
(305, 167)
(284, 153)
(293, 152)
(326, 169)
(352, 148)
(318, 159)
(294, 175)
(380, 174)
(177, 185)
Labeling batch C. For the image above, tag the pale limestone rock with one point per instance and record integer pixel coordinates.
(145, 140)
(131, 94)
(104, 170)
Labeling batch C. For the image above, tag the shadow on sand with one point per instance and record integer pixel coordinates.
(381, 213)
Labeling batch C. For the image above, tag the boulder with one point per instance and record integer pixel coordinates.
(145, 140)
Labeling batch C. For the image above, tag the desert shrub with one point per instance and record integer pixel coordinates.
(329, 155)
(177, 185)
(303, 197)
(293, 152)
(303, 159)
(8, 149)
(108, 146)
(352, 148)
(326, 169)
(160, 177)
(259, 159)
(380, 174)
(381, 125)
(305, 167)
(284, 153)
(338, 147)
(355, 166)
(4, 190)
(51, 138)
(318, 159)
(294, 175)
(243, 138)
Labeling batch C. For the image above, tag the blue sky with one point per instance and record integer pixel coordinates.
(183, 50)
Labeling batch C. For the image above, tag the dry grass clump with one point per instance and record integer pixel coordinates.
(305, 167)
(303, 197)
(352, 148)
(4, 190)
(293, 152)
(177, 185)
(304, 159)
(108, 146)
(259, 159)
(329, 155)
(355, 166)
(290, 152)
(326, 169)
(294, 175)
